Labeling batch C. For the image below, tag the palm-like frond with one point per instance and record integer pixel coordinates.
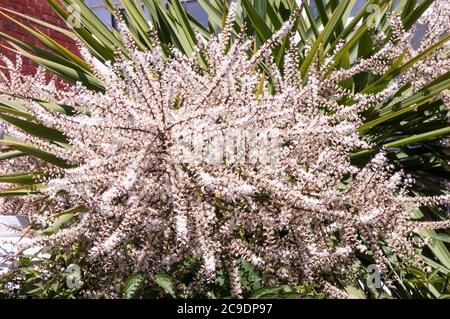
(409, 127)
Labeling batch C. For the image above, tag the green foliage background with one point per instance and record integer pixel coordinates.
(409, 128)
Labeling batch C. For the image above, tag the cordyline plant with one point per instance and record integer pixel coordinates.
(221, 157)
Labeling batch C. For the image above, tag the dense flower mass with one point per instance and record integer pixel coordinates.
(210, 157)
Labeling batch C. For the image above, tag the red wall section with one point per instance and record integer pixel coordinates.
(37, 9)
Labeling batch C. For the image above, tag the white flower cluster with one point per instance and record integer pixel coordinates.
(150, 205)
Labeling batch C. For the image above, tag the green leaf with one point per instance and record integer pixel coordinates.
(324, 36)
(184, 25)
(356, 292)
(60, 223)
(214, 13)
(420, 137)
(33, 151)
(137, 19)
(321, 11)
(90, 20)
(101, 51)
(13, 107)
(437, 247)
(22, 190)
(9, 155)
(48, 42)
(407, 140)
(271, 292)
(168, 30)
(410, 103)
(442, 237)
(35, 129)
(133, 285)
(410, 19)
(259, 24)
(395, 71)
(21, 178)
(57, 65)
(43, 23)
(165, 282)
(249, 277)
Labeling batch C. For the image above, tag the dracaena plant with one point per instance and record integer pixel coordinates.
(229, 150)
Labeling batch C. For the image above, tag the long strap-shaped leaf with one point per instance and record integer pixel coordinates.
(166, 26)
(214, 14)
(57, 65)
(94, 24)
(100, 50)
(137, 19)
(395, 71)
(21, 178)
(324, 36)
(184, 24)
(33, 151)
(23, 190)
(47, 25)
(428, 136)
(35, 129)
(50, 43)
